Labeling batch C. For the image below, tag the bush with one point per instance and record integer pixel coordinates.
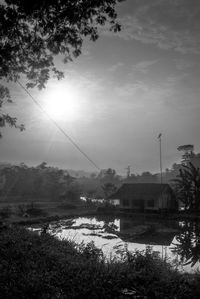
(5, 212)
(34, 266)
(30, 210)
(36, 212)
(68, 206)
(21, 210)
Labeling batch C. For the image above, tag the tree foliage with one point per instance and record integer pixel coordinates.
(188, 186)
(36, 182)
(188, 245)
(5, 117)
(108, 189)
(109, 176)
(33, 32)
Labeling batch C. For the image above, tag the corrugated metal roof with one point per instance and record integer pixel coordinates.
(142, 190)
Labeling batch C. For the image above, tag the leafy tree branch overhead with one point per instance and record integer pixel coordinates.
(34, 32)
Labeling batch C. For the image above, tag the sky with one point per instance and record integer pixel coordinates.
(116, 98)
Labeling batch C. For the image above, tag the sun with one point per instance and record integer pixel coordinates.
(62, 102)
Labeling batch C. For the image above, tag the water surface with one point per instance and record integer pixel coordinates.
(174, 241)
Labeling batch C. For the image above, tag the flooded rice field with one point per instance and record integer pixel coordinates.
(176, 242)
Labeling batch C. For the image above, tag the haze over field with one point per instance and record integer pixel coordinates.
(119, 95)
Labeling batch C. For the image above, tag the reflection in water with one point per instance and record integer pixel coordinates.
(148, 232)
(187, 244)
(169, 238)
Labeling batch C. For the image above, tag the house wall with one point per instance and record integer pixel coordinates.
(125, 203)
(152, 204)
(128, 204)
(139, 204)
(165, 201)
(155, 204)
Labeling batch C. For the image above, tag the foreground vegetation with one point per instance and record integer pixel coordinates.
(34, 266)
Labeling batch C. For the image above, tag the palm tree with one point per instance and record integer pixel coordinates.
(188, 246)
(188, 186)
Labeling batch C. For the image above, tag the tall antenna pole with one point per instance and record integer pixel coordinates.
(128, 171)
(160, 142)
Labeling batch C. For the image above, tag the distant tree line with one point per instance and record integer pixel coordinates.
(37, 182)
(44, 181)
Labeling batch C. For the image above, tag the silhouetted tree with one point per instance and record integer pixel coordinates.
(73, 193)
(43, 165)
(108, 189)
(91, 193)
(33, 32)
(109, 176)
(188, 186)
(35, 182)
(188, 246)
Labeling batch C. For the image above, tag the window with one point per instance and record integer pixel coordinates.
(137, 203)
(126, 203)
(150, 203)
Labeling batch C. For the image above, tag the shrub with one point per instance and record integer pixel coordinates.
(68, 206)
(5, 212)
(36, 212)
(21, 210)
(34, 266)
(30, 210)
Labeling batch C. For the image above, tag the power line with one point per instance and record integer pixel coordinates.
(58, 127)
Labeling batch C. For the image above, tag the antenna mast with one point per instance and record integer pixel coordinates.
(160, 142)
(128, 171)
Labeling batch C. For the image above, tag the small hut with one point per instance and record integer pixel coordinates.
(144, 197)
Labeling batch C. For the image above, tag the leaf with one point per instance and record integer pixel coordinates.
(33, 32)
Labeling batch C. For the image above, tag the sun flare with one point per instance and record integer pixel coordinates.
(63, 103)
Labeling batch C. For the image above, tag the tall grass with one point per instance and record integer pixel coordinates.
(33, 266)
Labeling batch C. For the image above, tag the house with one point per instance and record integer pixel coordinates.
(144, 197)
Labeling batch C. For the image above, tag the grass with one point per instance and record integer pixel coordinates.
(33, 266)
(35, 212)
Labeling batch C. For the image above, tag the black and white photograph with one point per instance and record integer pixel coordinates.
(99, 149)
